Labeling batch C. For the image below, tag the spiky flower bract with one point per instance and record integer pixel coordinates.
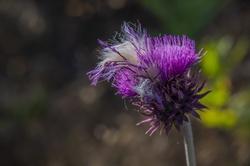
(155, 73)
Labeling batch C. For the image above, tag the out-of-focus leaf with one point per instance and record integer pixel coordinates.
(219, 118)
(183, 18)
(220, 92)
(224, 46)
(222, 55)
(217, 98)
(210, 62)
(238, 52)
(240, 102)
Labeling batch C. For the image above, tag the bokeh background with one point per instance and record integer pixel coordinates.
(51, 116)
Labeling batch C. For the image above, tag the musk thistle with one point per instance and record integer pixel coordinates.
(155, 73)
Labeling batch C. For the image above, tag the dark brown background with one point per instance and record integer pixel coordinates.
(51, 116)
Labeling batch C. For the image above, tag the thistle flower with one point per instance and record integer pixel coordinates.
(155, 73)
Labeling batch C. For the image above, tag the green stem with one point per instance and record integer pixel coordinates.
(189, 144)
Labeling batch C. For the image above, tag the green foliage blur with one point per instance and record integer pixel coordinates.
(228, 109)
(223, 54)
(180, 17)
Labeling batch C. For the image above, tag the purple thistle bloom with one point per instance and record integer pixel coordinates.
(156, 72)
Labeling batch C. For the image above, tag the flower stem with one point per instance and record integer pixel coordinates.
(189, 144)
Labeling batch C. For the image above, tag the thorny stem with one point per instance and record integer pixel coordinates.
(189, 143)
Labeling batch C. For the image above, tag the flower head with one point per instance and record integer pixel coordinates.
(155, 72)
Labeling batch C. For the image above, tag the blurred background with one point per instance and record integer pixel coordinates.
(51, 116)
